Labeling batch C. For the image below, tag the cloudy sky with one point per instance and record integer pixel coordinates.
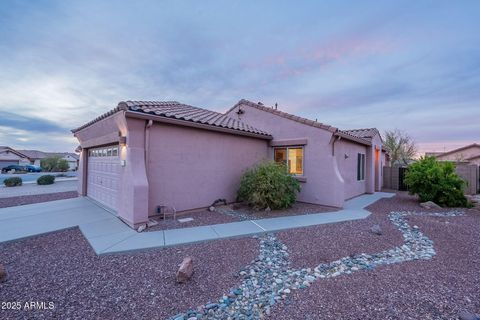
(412, 65)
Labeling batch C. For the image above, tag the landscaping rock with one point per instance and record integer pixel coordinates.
(465, 315)
(375, 229)
(3, 273)
(152, 223)
(268, 279)
(142, 227)
(430, 205)
(185, 270)
(211, 208)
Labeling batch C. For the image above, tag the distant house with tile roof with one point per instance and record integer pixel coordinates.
(145, 155)
(469, 153)
(36, 157)
(9, 156)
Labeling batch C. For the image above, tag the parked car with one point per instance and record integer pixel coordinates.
(32, 168)
(15, 167)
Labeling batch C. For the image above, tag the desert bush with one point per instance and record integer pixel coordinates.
(46, 179)
(13, 182)
(269, 185)
(62, 165)
(436, 181)
(54, 163)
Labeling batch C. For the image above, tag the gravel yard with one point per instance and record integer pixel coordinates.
(225, 214)
(200, 218)
(297, 209)
(61, 268)
(142, 285)
(435, 289)
(36, 198)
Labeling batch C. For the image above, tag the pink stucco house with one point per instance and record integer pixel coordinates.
(469, 153)
(144, 155)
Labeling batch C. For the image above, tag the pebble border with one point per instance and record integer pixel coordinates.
(269, 278)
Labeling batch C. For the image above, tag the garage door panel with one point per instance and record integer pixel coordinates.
(103, 175)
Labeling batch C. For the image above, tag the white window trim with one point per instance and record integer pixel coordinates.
(303, 158)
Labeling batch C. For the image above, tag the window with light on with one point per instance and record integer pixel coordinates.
(291, 157)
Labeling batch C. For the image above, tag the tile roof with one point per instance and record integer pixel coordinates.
(33, 154)
(346, 134)
(36, 154)
(182, 112)
(284, 115)
(473, 145)
(363, 133)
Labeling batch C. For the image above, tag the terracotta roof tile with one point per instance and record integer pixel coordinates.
(363, 133)
(284, 115)
(183, 112)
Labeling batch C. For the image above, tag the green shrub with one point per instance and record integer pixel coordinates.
(54, 163)
(13, 182)
(436, 181)
(269, 185)
(46, 179)
(62, 165)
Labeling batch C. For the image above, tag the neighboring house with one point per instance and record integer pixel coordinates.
(36, 157)
(469, 153)
(143, 155)
(9, 156)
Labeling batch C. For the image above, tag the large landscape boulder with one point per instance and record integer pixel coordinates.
(185, 270)
(430, 205)
(3, 273)
(375, 229)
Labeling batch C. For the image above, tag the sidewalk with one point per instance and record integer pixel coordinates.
(107, 234)
(31, 188)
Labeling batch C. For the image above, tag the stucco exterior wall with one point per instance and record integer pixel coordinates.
(102, 132)
(324, 184)
(461, 155)
(346, 154)
(190, 168)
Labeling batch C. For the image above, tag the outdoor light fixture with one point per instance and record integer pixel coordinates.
(122, 140)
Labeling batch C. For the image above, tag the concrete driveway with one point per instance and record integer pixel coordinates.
(34, 219)
(108, 234)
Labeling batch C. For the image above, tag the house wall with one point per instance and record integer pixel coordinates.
(461, 155)
(10, 156)
(323, 183)
(133, 191)
(190, 168)
(346, 154)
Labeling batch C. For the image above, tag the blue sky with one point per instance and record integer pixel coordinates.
(412, 65)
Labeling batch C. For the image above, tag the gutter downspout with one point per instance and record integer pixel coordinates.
(148, 125)
(335, 139)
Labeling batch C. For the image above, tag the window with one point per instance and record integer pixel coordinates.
(115, 152)
(109, 152)
(291, 157)
(361, 166)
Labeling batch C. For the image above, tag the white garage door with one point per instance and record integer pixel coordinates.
(103, 175)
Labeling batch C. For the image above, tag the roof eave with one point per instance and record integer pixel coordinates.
(352, 138)
(192, 124)
(284, 115)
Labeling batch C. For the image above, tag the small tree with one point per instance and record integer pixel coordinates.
(269, 185)
(400, 147)
(62, 165)
(50, 163)
(436, 181)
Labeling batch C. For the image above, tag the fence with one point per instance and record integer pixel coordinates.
(393, 177)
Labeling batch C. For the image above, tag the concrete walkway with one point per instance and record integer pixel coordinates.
(107, 234)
